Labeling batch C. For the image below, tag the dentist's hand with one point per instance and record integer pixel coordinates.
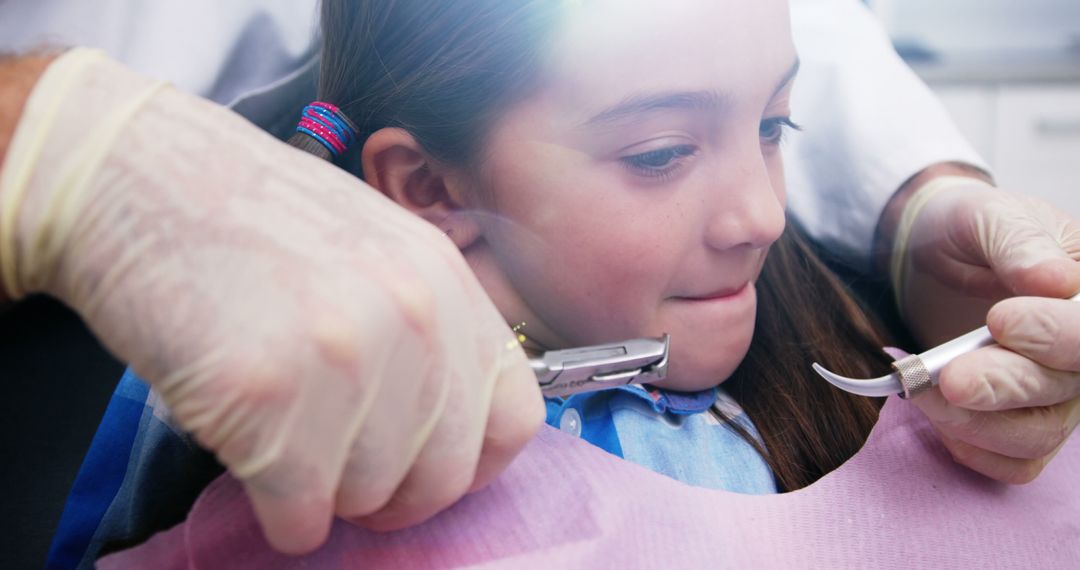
(1002, 410)
(335, 352)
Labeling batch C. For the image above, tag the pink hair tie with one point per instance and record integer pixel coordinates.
(328, 125)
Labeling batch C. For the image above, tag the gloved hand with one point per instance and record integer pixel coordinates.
(335, 352)
(1002, 410)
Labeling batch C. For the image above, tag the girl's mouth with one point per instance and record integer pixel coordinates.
(718, 294)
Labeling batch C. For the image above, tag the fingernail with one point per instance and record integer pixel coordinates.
(895, 353)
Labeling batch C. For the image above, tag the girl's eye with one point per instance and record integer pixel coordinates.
(659, 162)
(771, 130)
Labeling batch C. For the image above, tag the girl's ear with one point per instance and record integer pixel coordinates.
(396, 165)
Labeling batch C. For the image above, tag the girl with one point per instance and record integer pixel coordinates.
(611, 169)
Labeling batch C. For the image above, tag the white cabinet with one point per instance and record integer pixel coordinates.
(982, 26)
(1030, 134)
(974, 110)
(1038, 142)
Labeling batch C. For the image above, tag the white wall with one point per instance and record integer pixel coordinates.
(983, 25)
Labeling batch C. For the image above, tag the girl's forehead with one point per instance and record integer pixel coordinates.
(607, 50)
(631, 25)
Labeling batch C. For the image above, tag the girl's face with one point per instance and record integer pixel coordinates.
(638, 191)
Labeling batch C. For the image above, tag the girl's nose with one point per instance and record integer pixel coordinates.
(747, 208)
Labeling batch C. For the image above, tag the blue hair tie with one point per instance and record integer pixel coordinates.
(326, 124)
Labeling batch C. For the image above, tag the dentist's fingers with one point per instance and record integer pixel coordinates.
(1045, 330)
(453, 460)
(293, 504)
(292, 468)
(1005, 410)
(1029, 244)
(392, 435)
(517, 412)
(995, 466)
(995, 378)
(1023, 433)
(441, 474)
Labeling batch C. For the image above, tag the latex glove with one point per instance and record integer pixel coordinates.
(335, 352)
(1002, 410)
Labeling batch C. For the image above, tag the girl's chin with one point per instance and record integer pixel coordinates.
(696, 378)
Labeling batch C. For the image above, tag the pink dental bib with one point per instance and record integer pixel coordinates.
(901, 502)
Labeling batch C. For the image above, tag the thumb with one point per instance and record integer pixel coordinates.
(1033, 254)
(1050, 277)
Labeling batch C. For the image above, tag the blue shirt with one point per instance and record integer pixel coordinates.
(672, 433)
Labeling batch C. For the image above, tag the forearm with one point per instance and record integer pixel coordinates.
(18, 74)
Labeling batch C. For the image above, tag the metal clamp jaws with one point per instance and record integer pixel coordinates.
(638, 361)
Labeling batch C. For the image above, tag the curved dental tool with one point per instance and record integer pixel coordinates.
(915, 373)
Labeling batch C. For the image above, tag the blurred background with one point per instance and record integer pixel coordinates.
(1009, 72)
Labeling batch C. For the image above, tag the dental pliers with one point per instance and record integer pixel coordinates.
(569, 371)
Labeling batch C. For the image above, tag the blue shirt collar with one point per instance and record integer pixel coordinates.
(662, 401)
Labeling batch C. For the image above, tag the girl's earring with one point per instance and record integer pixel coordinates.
(517, 331)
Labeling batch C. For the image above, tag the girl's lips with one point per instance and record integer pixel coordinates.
(720, 294)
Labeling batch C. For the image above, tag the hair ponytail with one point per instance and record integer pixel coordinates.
(310, 145)
(441, 70)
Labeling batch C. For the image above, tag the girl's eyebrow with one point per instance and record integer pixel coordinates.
(638, 104)
(788, 77)
(692, 100)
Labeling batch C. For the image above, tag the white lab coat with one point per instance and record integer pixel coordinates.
(870, 123)
(217, 49)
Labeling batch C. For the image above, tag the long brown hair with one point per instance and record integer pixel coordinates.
(806, 314)
(445, 70)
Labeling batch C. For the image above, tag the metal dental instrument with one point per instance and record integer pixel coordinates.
(916, 373)
(573, 370)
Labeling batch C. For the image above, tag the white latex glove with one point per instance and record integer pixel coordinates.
(335, 352)
(1002, 410)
